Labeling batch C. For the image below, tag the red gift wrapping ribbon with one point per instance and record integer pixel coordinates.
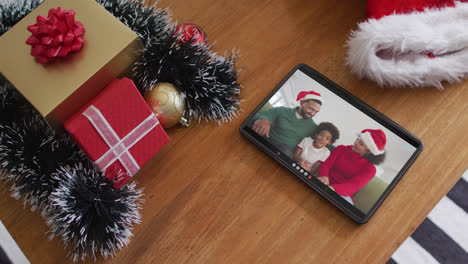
(56, 35)
(118, 147)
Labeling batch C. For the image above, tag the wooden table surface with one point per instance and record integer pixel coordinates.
(213, 197)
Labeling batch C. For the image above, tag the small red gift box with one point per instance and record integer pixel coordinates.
(118, 131)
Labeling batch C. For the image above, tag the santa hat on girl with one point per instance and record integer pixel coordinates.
(374, 139)
(411, 42)
(306, 95)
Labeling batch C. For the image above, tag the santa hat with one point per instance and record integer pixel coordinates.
(306, 95)
(411, 42)
(375, 140)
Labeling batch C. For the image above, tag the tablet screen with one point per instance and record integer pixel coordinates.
(334, 142)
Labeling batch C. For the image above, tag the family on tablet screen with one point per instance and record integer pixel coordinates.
(345, 169)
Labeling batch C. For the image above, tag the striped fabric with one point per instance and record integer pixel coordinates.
(443, 235)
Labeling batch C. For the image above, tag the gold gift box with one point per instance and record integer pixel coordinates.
(60, 88)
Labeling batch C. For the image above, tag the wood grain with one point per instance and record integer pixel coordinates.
(212, 197)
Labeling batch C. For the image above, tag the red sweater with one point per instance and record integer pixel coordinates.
(347, 171)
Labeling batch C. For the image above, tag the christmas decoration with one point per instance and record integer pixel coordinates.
(13, 11)
(30, 153)
(118, 131)
(309, 95)
(208, 82)
(374, 139)
(167, 104)
(411, 43)
(52, 174)
(55, 35)
(149, 22)
(191, 32)
(67, 85)
(88, 213)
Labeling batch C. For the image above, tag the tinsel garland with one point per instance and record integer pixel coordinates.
(13, 11)
(31, 153)
(207, 81)
(147, 21)
(87, 212)
(50, 172)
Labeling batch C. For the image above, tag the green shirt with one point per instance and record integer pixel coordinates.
(286, 128)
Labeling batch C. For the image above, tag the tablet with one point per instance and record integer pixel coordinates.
(335, 143)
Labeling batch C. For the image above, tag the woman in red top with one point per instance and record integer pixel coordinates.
(349, 168)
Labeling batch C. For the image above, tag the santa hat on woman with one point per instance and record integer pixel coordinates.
(411, 42)
(307, 95)
(374, 139)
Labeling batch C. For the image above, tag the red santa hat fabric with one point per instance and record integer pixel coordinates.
(306, 95)
(411, 43)
(375, 140)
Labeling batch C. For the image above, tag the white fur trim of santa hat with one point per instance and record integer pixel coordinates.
(370, 141)
(440, 33)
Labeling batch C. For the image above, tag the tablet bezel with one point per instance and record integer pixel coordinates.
(315, 184)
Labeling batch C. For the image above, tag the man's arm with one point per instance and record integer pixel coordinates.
(263, 120)
(262, 127)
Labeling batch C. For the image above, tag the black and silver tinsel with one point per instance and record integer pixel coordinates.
(148, 21)
(12, 11)
(207, 81)
(89, 214)
(49, 171)
(30, 153)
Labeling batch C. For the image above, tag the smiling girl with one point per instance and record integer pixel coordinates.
(313, 150)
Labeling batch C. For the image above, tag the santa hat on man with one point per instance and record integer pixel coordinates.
(306, 95)
(374, 139)
(411, 42)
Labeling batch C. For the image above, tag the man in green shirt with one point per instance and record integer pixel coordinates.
(285, 127)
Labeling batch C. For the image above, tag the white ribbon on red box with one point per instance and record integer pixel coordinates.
(118, 148)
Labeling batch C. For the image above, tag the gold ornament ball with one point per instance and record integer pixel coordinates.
(166, 103)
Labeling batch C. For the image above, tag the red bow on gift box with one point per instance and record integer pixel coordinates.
(56, 35)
